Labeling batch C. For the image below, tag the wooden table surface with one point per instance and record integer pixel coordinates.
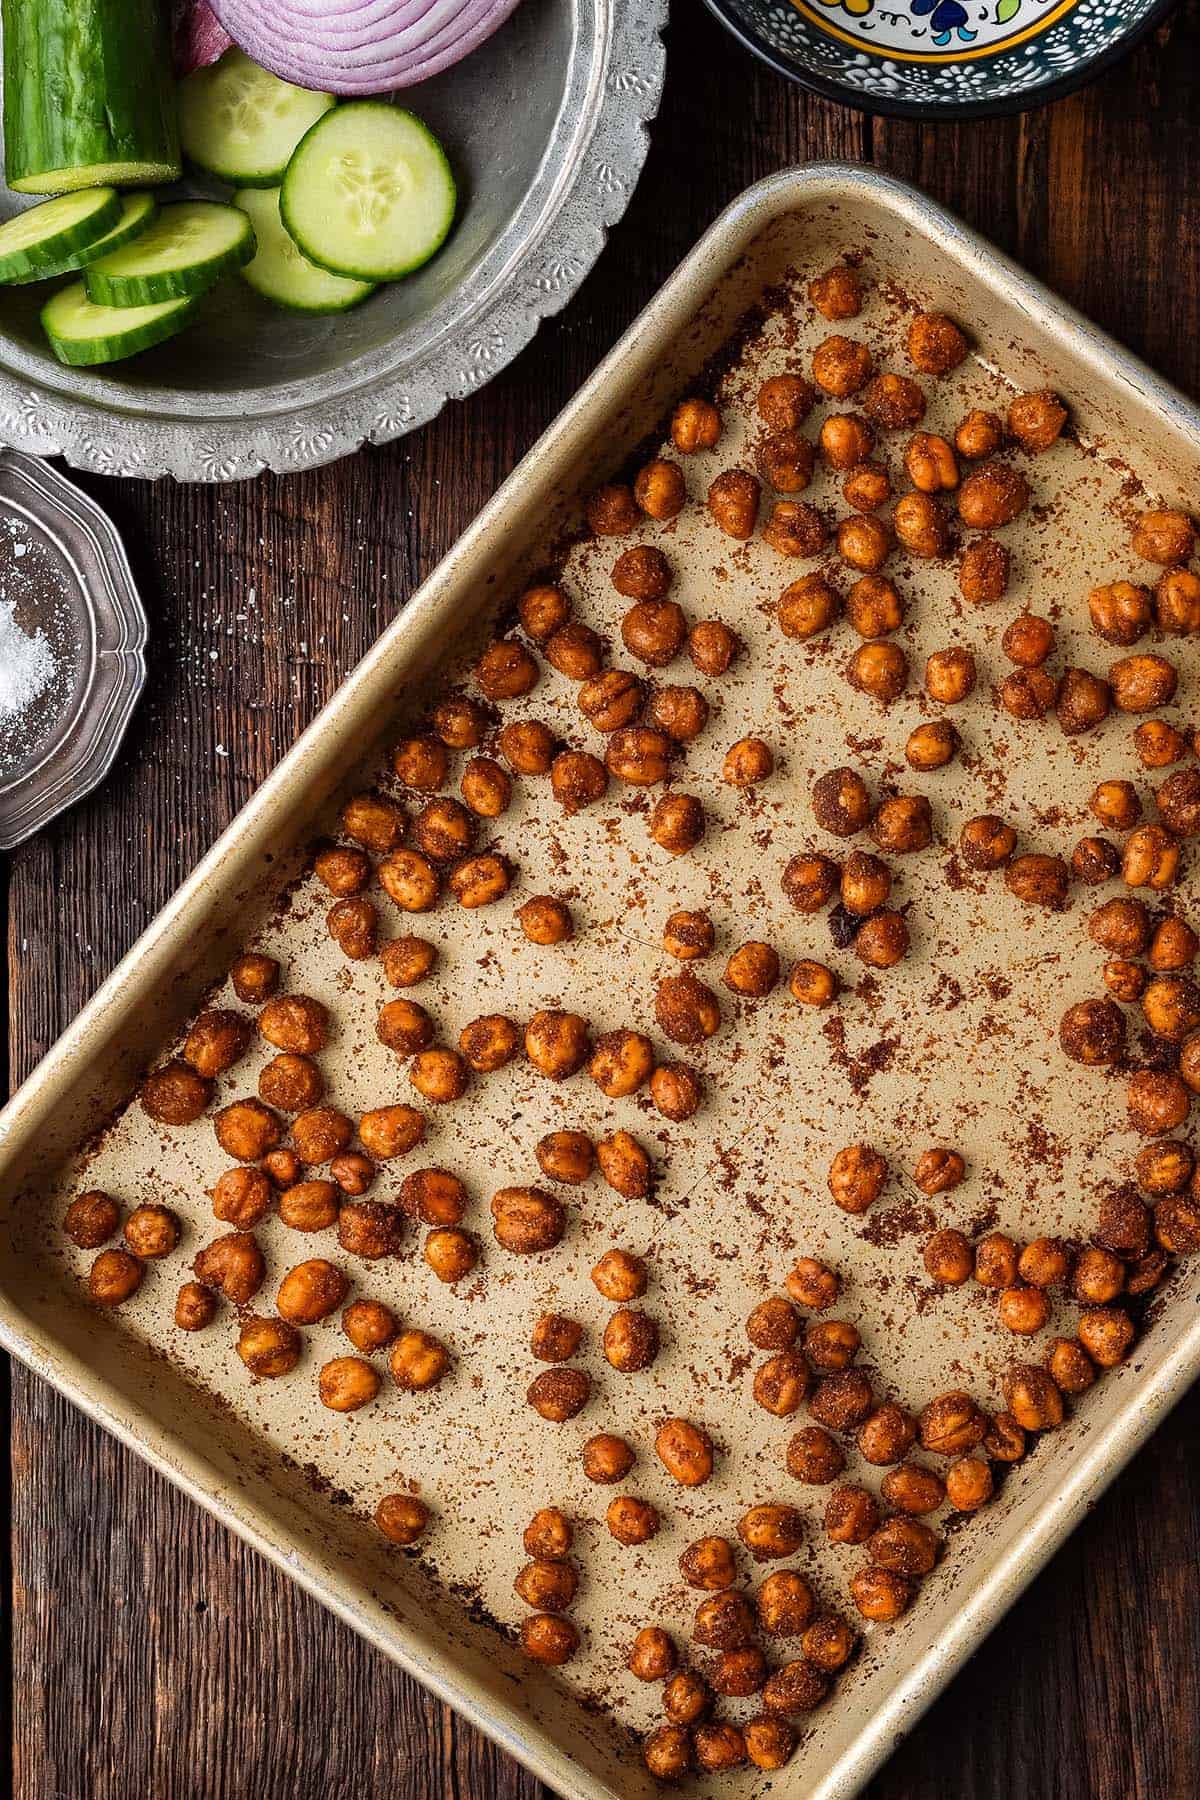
(149, 1654)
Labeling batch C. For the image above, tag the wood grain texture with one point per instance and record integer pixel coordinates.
(148, 1653)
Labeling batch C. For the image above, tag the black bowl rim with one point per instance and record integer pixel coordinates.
(887, 108)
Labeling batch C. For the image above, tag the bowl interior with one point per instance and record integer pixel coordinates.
(497, 113)
(939, 57)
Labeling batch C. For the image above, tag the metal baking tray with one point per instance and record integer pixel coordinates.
(546, 126)
(957, 1044)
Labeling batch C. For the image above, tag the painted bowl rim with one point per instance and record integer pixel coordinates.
(1002, 106)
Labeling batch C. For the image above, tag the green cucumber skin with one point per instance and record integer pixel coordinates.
(167, 284)
(86, 83)
(361, 274)
(85, 353)
(112, 240)
(28, 264)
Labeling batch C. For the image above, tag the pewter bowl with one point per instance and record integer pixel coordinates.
(545, 127)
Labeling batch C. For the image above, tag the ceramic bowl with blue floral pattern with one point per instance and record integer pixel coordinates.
(940, 58)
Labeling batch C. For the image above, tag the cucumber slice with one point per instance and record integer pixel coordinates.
(368, 192)
(282, 273)
(43, 235)
(183, 252)
(241, 123)
(137, 210)
(81, 332)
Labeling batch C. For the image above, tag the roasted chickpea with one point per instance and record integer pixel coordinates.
(151, 1232)
(687, 1011)
(1123, 1226)
(547, 1586)
(796, 1687)
(894, 402)
(660, 489)
(1165, 536)
(1036, 420)
(1082, 701)
(1116, 804)
(688, 935)
(771, 1531)
(1124, 980)
(1177, 602)
(624, 1165)
(559, 1394)
(785, 461)
(505, 671)
(864, 542)
(342, 870)
(903, 824)
(682, 712)
(675, 1091)
(487, 790)
(951, 1424)
(718, 1746)
(368, 1228)
(527, 1220)
(905, 1547)
(1179, 803)
(887, 1434)
(480, 880)
(175, 1094)
(785, 1603)
(920, 524)
(1023, 1309)
(814, 1456)
(856, 1178)
(217, 1039)
(651, 1656)
(781, 1383)
(1094, 861)
(631, 1521)
(685, 1451)
(549, 1535)
(450, 1253)
(568, 1156)
(832, 1344)
(931, 463)
(913, 1489)
(370, 1325)
(1098, 1277)
(837, 294)
(555, 1338)
(969, 1484)
(1158, 1102)
(354, 927)
(709, 1563)
(347, 1383)
(948, 1258)
(1069, 1366)
(812, 983)
(932, 746)
(677, 823)
(639, 755)
(686, 1698)
(548, 1638)
(845, 441)
(1141, 683)
(1171, 1004)
(421, 763)
(309, 1205)
(841, 365)
(607, 1458)
(829, 1642)
(795, 529)
(418, 1361)
(93, 1217)
(695, 425)
(630, 1341)
(1147, 1272)
(874, 608)
(1164, 1168)
(1045, 1262)
(320, 1133)
(490, 1042)
(620, 1276)
(935, 343)
(546, 920)
(1120, 612)
(1033, 1399)
(576, 651)
(443, 829)
(841, 805)
(611, 511)
(557, 1043)
(268, 1347)
(1106, 1333)
(752, 970)
(747, 763)
(950, 675)
(983, 571)
(880, 1594)
(1038, 880)
(773, 1324)
(712, 646)
(980, 434)
(247, 1130)
(644, 575)
(1174, 945)
(115, 1277)
(879, 669)
(542, 610)
(195, 1307)
(1151, 858)
(842, 1401)
(1177, 1224)
(667, 1752)
(867, 487)
(987, 842)
(254, 976)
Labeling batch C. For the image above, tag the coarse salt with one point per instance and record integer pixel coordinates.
(26, 664)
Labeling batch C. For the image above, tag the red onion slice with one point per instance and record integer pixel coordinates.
(197, 40)
(408, 42)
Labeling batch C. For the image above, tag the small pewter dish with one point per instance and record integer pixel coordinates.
(940, 59)
(66, 592)
(545, 127)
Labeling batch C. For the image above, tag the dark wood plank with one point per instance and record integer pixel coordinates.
(150, 1653)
